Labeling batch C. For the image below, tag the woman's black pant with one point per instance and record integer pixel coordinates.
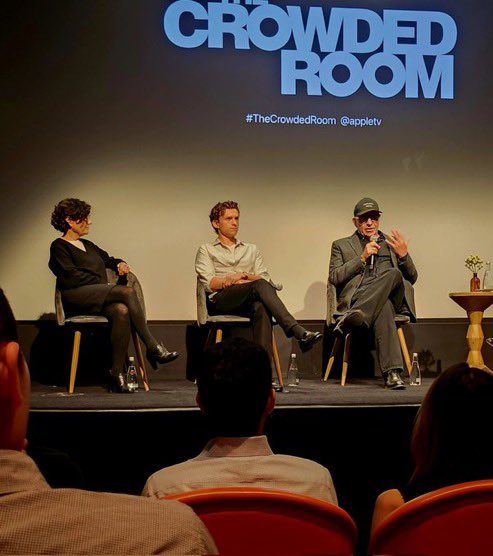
(122, 308)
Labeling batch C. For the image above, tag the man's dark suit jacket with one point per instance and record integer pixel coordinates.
(346, 272)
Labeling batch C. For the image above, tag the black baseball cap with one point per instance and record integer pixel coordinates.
(366, 205)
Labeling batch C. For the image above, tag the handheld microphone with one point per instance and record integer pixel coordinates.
(372, 258)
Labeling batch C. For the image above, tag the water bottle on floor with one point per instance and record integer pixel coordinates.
(292, 376)
(132, 383)
(415, 379)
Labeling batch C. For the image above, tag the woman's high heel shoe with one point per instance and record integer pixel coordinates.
(117, 384)
(160, 355)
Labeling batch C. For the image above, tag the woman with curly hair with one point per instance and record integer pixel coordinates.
(80, 268)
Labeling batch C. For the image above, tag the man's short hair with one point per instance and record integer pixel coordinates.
(8, 326)
(220, 208)
(234, 384)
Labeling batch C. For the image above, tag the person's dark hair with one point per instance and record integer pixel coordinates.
(451, 437)
(8, 326)
(234, 383)
(220, 208)
(72, 208)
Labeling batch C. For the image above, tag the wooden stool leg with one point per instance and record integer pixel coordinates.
(345, 361)
(75, 361)
(333, 353)
(140, 360)
(277, 362)
(405, 351)
(219, 335)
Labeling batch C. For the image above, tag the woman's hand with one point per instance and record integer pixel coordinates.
(123, 268)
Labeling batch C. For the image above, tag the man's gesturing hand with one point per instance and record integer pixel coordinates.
(123, 268)
(398, 243)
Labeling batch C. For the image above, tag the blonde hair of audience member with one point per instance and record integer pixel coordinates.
(449, 441)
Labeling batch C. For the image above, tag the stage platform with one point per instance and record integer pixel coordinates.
(170, 395)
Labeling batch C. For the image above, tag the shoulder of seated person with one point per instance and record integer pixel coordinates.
(392, 496)
(305, 461)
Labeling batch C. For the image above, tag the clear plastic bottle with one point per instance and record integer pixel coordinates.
(132, 383)
(415, 378)
(487, 278)
(292, 379)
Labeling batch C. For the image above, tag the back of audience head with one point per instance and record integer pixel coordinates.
(14, 382)
(453, 426)
(235, 388)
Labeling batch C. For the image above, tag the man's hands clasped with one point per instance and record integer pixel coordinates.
(239, 278)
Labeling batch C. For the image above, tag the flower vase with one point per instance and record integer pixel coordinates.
(475, 282)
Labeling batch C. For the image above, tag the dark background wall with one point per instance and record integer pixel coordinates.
(97, 103)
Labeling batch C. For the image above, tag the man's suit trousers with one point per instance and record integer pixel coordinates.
(257, 300)
(379, 298)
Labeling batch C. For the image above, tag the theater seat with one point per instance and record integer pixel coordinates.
(452, 521)
(247, 521)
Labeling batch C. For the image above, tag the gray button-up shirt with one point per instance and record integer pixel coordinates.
(217, 260)
(243, 461)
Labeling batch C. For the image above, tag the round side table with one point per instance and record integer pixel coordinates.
(475, 304)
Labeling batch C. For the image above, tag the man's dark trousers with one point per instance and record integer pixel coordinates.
(257, 300)
(378, 298)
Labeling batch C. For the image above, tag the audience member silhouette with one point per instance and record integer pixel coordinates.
(36, 519)
(235, 394)
(451, 437)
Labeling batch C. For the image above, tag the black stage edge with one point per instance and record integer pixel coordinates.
(179, 395)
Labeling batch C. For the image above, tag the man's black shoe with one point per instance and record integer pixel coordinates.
(393, 380)
(309, 340)
(350, 319)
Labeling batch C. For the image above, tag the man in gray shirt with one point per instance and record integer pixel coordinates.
(238, 283)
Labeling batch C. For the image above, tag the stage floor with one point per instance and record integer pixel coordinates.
(170, 395)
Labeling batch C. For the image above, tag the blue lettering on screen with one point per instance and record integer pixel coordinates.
(325, 50)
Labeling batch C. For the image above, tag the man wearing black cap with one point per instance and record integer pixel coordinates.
(373, 275)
